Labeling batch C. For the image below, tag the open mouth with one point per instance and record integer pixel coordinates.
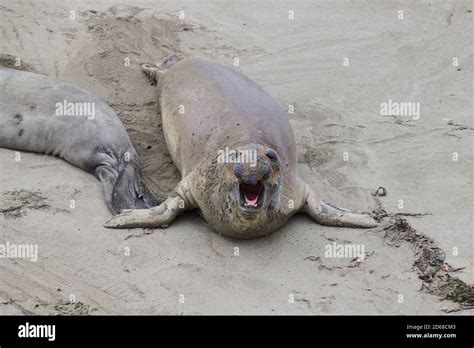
(251, 196)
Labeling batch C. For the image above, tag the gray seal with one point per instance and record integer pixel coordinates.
(39, 114)
(235, 150)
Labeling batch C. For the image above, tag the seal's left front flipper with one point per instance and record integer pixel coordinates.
(326, 214)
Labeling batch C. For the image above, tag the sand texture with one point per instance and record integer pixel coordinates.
(346, 150)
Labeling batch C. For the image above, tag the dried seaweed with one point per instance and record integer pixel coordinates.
(430, 266)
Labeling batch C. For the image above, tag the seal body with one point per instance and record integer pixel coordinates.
(235, 149)
(39, 114)
(208, 109)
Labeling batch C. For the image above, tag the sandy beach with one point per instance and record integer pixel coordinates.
(336, 63)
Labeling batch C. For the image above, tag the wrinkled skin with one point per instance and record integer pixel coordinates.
(223, 205)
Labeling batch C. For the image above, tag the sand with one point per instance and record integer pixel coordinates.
(346, 150)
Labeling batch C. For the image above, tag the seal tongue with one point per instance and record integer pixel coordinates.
(251, 193)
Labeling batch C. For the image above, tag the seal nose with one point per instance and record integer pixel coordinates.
(250, 179)
(252, 175)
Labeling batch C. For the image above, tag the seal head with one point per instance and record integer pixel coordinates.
(246, 201)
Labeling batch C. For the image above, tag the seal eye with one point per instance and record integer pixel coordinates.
(234, 156)
(273, 156)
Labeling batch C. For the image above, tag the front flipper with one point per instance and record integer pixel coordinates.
(326, 214)
(159, 216)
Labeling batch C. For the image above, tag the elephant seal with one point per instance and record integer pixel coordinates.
(39, 114)
(235, 150)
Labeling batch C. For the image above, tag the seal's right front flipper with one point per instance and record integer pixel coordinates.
(326, 214)
(159, 216)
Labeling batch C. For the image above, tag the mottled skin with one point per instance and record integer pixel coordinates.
(206, 108)
(100, 145)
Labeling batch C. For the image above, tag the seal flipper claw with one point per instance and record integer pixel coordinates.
(330, 209)
(327, 214)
